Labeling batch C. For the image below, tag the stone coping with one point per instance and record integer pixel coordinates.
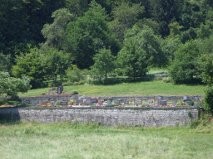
(127, 96)
(104, 108)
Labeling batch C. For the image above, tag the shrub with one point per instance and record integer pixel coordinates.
(75, 75)
(209, 99)
(184, 68)
(41, 65)
(205, 68)
(10, 86)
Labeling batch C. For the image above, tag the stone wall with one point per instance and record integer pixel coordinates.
(107, 116)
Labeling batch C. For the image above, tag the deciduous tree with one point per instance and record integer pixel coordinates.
(88, 34)
(104, 64)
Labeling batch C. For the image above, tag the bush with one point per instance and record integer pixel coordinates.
(10, 86)
(205, 68)
(75, 75)
(41, 65)
(209, 99)
(184, 68)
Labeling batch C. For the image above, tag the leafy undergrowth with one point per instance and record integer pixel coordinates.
(204, 125)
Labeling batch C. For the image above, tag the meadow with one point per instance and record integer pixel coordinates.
(74, 141)
(124, 89)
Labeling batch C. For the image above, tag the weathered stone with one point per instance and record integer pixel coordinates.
(106, 116)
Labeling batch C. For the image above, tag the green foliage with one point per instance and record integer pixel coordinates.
(75, 75)
(206, 68)
(205, 30)
(10, 86)
(141, 49)
(164, 11)
(88, 34)
(188, 35)
(41, 65)
(153, 24)
(4, 62)
(192, 14)
(31, 65)
(55, 33)
(76, 7)
(83, 27)
(21, 22)
(175, 29)
(209, 99)
(104, 65)
(131, 59)
(184, 67)
(205, 60)
(125, 16)
(169, 46)
(206, 45)
(55, 63)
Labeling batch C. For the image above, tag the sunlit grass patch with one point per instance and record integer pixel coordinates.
(65, 140)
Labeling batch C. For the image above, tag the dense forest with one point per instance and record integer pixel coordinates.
(46, 41)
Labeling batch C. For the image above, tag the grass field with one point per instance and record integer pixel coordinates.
(124, 89)
(66, 141)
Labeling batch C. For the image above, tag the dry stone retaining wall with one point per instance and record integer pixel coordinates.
(106, 116)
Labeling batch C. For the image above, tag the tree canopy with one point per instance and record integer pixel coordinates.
(43, 38)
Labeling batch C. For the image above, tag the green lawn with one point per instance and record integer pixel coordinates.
(125, 89)
(66, 141)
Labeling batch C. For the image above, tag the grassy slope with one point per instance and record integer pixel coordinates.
(140, 88)
(54, 141)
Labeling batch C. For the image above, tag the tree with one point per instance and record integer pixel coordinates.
(132, 58)
(206, 61)
(21, 22)
(169, 47)
(76, 7)
(55, 33)
(4, 62)
(172, 42)
(10, 86)
(164, 11)
(88, 34)
(104, 64)
(141, 49)
(55, 63)
(125, 16)
(31, 64)
(206, 68)
(41, 65)
(147, 43)
(184, 67)
(192, 14)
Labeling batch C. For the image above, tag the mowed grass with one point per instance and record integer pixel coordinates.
(126, 89)
(72, 141)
